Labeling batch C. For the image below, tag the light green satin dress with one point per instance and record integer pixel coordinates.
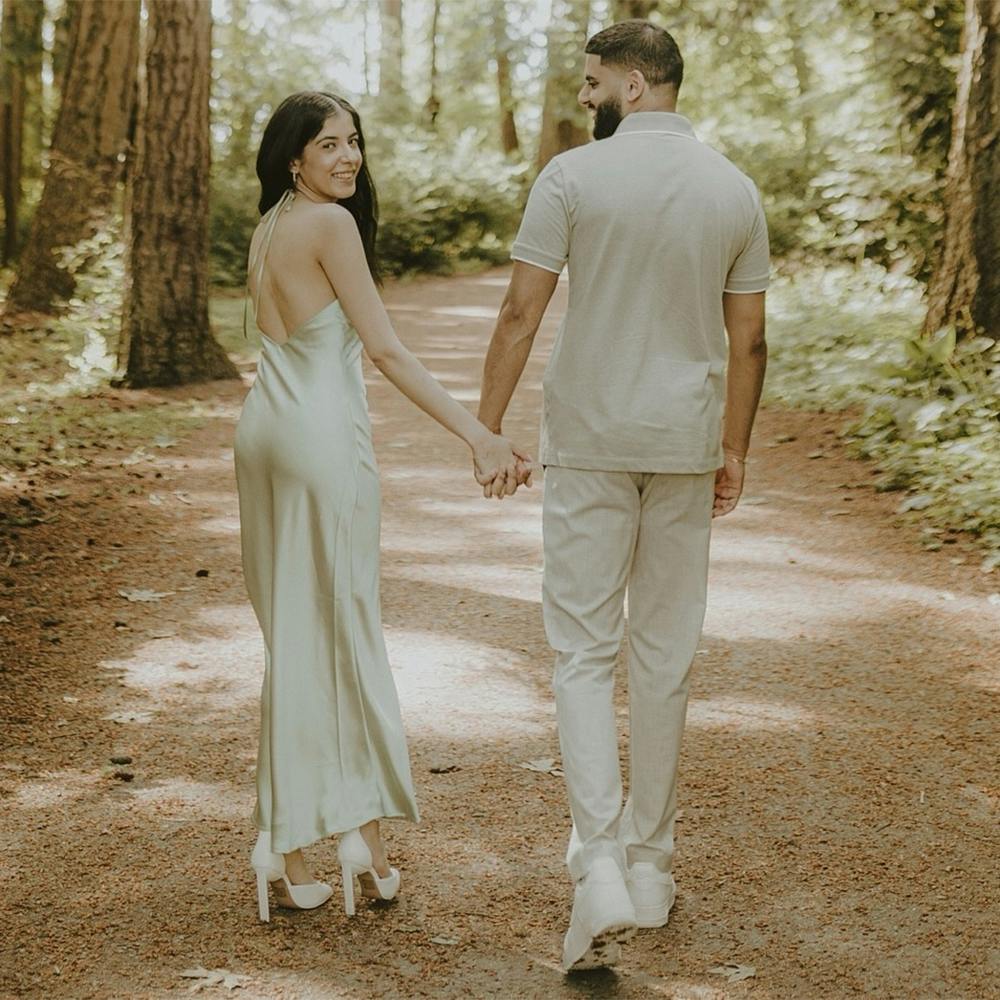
(332, 751)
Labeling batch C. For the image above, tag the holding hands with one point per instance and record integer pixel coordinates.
(499, 467)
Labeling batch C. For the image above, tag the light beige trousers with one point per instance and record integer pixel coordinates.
(606, 533)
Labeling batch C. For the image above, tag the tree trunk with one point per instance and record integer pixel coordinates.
(20, 110)
(564, 122)
(965, 288)
(509, 141)
(804, 85)
(623, 10)
(166, 339)
(90, 135)
(433, 104)
(390, 62)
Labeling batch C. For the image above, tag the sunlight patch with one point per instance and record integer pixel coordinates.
(733, 713)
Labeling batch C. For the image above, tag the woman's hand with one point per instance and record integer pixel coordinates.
(495, 465)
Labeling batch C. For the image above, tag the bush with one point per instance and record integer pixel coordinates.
(927, 410)
(444, 206)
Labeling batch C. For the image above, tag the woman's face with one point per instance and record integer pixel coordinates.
(329, 164)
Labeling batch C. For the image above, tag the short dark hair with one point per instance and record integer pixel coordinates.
(638, 44)
(296, 122)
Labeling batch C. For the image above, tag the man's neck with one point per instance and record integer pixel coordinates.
(645, 103)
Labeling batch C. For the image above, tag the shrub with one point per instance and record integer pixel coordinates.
(926, 410)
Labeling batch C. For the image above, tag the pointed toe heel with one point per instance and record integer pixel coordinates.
(356, 860)
(270, 869)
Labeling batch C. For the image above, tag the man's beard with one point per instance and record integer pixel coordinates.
(607, 117)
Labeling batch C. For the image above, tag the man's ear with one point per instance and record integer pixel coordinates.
(635, 85)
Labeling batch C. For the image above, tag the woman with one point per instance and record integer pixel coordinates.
(332, 755)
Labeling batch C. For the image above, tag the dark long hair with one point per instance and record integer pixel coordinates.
(295, 122)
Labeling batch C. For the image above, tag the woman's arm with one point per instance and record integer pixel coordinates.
(342, 257)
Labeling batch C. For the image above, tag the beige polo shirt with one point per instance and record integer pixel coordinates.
(654, 226)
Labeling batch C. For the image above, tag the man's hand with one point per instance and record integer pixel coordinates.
(501, 486)
(728, 485)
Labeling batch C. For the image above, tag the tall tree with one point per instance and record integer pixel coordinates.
(564, 123)
(89, 137)
(509, 141)
(433, 103)
(965, 287)
(20, 108)
(166, 338)
(390, 60)
(623, 10)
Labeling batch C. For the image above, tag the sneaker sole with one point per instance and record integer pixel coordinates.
(605, 948)
(652, 918)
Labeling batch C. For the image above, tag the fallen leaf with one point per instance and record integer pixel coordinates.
(444, 768)
(545, 765)
(213, 977)
(164, 441)
(441, 939)
(816, 454)
(141, 594)
(733, 972)
(992, 599)
(162, 634)
(155, 499)
(137, 456)
(183, 497)
(753, 501)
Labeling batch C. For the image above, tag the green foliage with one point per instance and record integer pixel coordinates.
(51, 378)
(926, 410)
(445, 206)
(232, 220)
(92, 317)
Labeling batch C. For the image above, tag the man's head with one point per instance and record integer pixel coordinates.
(631, 66)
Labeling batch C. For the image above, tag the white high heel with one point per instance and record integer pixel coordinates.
(270, 867)
(356, 859)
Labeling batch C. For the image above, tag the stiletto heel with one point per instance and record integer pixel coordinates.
(356, 859)
(270, 868)
(262, 902)
(347, 874)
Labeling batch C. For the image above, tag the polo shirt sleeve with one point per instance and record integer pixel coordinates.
(543, 239)
(751, 269)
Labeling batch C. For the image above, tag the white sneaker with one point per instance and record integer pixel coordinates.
(652, 893)
(603, 917)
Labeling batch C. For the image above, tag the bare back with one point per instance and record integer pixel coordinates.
(287, 283)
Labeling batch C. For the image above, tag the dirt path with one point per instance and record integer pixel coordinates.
(839, 783)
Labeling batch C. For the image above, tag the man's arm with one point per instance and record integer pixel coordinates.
(528, 294)
(744, 317)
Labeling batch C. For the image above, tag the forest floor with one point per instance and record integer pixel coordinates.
(838, 791)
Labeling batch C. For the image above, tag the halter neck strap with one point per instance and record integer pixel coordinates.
(282, 204)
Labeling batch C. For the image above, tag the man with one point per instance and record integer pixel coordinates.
(666, 245)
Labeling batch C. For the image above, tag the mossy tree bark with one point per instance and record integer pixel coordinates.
(166, 338)
(965, 287)
(90, 136)
(20, 109)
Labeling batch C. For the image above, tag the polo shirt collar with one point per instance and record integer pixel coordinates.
(656, 121)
